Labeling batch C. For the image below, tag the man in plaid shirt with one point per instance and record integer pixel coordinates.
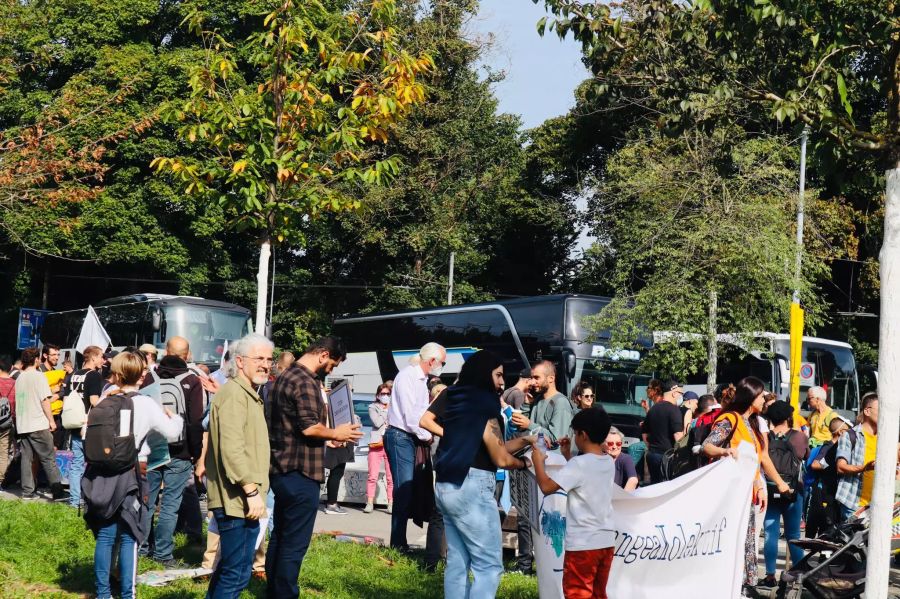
(298, 430)
(856, 459)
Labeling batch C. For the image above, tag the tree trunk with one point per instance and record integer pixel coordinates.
(712, 347)
(881, 508)
(46, 292)
(262, 287)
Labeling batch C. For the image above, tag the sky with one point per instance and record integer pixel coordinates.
(541, 72)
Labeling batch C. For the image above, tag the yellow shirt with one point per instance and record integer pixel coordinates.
(819, 432)
(868, 476)
(55, 379)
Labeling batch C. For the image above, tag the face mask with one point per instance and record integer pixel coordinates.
(384, 398)
(436, 371)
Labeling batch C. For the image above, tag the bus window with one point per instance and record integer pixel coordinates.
(206, 329)
(836, 372)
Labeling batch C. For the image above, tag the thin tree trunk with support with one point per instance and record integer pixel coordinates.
(712, 347)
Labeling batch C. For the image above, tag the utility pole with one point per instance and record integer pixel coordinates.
(801, 204)
(450, 287)
(796, 324)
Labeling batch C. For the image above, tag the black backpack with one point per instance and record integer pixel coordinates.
(6, 415)
(786, 462)
(104, 447)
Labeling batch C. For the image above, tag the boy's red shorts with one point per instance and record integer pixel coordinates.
(585, 573)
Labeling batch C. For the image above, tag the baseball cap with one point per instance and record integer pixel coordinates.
(149, 348)
(525, 373)
(689, 395)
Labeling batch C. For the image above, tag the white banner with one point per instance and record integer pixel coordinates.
(681, 538)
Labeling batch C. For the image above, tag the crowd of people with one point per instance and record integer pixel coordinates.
(257, 438)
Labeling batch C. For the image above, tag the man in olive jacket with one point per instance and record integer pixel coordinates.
(237, 464)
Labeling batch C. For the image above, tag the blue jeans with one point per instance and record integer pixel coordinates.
(237, 544)
(473, 536)
(76, 470)
(400, 447)
(847, 512)
(175, 475)
(775, 513)
(296, 505)
(103, 554)
(654, 464)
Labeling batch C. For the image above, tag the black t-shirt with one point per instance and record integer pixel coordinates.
(87, 382)
(482, 459)
(829, 476)
(663, 421)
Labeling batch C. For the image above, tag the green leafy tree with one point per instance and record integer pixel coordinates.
(833, 66)
(700, 229)
(284, 119)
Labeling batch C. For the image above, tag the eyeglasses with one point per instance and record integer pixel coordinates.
(588, 396)
(614, 444)
(269, 361)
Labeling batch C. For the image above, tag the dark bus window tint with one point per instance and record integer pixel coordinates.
(577, 309)
(539, 322)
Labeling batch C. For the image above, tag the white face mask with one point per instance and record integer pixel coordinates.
(436, 371)
(383, 398)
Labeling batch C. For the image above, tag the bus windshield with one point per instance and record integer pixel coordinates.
(835, 370)
(206, 329)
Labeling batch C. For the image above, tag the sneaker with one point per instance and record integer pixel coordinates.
(369, 508)
(768, 582)
(390, 508)
(58, 493)
(171, 563)
(335, 510)
(30, 496)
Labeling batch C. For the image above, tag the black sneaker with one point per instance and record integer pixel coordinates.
(30, 496)
(57, 493)
(768, 582)
(171, 563)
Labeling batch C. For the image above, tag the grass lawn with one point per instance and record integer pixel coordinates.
(46, 551)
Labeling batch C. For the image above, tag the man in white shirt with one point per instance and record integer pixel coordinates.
(409, 400)
(35, 425)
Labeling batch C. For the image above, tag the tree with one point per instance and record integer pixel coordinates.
(833, 66)
(284, 117)
(698, 228)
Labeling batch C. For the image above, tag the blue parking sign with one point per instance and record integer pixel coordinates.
(30, 323)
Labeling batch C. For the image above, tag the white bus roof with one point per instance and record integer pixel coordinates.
(735, 339)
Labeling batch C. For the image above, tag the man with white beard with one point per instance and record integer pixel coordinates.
(237, 463)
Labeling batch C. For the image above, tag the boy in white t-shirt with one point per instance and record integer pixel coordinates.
(588, 480)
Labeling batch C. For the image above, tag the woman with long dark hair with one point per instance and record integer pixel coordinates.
(471, 450)
(738, 423)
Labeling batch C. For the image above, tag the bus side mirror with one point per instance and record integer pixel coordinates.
(569, 363)
(156, 321)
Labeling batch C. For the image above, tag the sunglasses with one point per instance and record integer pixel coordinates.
(614, 444)
(588, 396)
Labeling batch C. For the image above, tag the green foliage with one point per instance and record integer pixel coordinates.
(283, 118)
(699, 214)
(46, 551)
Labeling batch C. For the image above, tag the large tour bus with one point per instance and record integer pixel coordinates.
(521, 331)
(826, 363)
(552, 327)
(133, 320)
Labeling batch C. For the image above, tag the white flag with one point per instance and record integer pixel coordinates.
(92, 333)
(224, 352)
